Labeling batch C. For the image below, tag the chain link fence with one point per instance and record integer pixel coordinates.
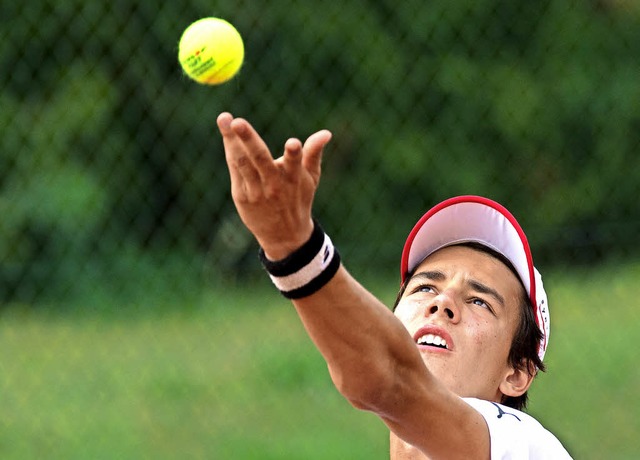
(115, 198)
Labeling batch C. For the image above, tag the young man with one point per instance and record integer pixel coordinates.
(463, 340)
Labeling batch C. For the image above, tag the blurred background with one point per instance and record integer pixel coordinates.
(135, 319)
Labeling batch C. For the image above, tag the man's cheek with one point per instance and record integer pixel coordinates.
(404, 313)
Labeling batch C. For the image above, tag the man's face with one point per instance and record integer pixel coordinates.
(471, 301)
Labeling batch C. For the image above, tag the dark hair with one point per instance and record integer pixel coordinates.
(523, 353)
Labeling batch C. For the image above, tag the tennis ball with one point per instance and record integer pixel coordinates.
(211, 51)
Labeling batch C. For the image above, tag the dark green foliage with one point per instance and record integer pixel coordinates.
(105, 144)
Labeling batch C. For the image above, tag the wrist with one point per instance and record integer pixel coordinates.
(305, 270)
(277, 248)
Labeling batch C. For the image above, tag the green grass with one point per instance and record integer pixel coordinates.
(230, 373)
(590, 394)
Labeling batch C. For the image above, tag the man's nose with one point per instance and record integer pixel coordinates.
(443, 304)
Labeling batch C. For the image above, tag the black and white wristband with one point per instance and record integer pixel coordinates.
(307, 269)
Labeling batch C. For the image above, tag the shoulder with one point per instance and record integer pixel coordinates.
(515, 434)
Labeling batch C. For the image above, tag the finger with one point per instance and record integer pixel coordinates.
(292, 158)
(312, 151)
(245, 180)
(229, 138)
(223, 121)
(232, 142)
(255, 149)
(233, 150)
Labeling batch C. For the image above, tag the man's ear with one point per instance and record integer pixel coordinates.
(518, 380)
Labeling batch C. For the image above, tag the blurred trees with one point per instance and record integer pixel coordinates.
(107, 149)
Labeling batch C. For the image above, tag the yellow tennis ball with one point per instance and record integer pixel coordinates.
(211, 51)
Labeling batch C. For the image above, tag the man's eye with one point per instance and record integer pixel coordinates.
(481, 303)
(424, 288)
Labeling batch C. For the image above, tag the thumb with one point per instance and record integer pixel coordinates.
(312, 151)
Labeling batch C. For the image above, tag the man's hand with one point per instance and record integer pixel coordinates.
(274, 197)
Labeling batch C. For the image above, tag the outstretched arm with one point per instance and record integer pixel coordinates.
(370, 355)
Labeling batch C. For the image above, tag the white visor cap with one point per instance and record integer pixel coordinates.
(470, 218)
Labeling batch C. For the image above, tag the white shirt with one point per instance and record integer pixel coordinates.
(516, 435)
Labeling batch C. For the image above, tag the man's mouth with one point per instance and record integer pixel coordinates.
(432, 340)
(433, 337)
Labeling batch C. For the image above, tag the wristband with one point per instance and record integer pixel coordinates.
(307, 269)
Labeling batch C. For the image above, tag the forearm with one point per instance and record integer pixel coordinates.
(365, 346)
(377, 367)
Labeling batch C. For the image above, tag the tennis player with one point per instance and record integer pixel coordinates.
(449, 368)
